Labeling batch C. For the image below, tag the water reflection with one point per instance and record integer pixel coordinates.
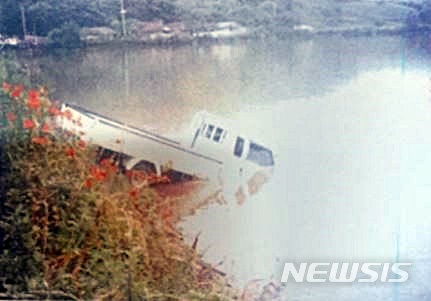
(217, 78)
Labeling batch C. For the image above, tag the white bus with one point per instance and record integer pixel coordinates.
(209, 150)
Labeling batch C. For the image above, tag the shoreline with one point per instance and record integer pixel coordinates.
(181, 39)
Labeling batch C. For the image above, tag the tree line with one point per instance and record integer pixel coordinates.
(55, 17)
(40, 17)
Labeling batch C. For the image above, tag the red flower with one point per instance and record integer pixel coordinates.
(28, 124)
(54, 111)
(7, 87)
(108, 166)
(45, 128)
(70, 152)
(40, 140)
(17, 91)
(97, 173)
(105, 162)
(135, 175)
(11, 117)
(33, 101)
(88, 183)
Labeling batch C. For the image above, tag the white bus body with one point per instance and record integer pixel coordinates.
(211, 151)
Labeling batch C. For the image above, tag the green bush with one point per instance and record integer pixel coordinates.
(67, 36)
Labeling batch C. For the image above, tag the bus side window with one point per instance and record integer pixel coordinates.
(210, 130)
(239, 147)
(203, 128)
(217, 135)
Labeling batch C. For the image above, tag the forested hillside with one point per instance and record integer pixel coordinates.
(40, 17)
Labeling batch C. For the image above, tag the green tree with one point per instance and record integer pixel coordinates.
(10, 18)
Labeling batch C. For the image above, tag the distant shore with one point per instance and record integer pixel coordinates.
(104, 36)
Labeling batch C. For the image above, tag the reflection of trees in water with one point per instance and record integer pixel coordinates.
(152, 85)
(11, 69)
(38, 67)
(420, 45)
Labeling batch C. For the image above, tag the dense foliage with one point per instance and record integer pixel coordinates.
(42, 16)
(70, 225)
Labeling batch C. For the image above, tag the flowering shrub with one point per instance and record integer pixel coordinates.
(81, 230)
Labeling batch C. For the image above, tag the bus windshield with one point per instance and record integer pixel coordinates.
(260, 155)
